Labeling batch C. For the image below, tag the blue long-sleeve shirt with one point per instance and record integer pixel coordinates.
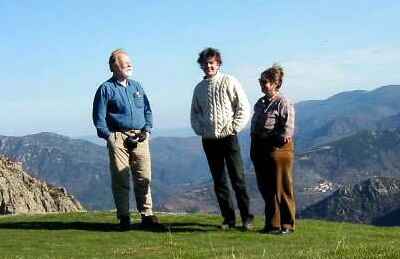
(119, 108)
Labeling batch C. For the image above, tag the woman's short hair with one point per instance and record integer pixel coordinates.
(209, 53)
(274, 75)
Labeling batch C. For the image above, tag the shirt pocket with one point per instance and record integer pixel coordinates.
(138, 99)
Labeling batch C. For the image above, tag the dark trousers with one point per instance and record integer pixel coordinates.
(218, 152)
(273, 167)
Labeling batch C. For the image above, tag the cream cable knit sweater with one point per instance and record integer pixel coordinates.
(219, 107)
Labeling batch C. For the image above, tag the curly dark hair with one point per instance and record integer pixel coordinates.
(209, 53)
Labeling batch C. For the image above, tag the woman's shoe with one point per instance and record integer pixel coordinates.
(286, 231)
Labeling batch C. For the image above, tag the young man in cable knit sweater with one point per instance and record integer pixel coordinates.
(220, 110)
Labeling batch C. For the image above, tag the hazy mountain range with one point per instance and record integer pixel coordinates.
(344, 139)
(344, 114)
(173, 132)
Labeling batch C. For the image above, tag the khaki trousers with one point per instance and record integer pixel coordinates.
(122, 164)
(274, 170)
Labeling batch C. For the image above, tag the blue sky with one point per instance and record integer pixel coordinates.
(54, 53)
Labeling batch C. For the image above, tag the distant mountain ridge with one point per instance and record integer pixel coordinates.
(173, 132)
(350, 154)
(344, 114)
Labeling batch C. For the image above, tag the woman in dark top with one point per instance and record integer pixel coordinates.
(272, 152)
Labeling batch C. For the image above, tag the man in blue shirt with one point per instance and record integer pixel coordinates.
(123, 117)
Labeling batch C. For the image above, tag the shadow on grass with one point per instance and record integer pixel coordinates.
(108, 227)
(190, 227)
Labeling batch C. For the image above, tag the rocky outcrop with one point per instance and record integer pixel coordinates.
(371, 201)
(79, 166)
(21, 193)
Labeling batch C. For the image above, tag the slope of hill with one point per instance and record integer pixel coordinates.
(200, 197)
(391, 122)
(318, 172)
(94, 235)
(353, 159)
(179, 160)
(21, 193)
(370, 201)
(343, 114)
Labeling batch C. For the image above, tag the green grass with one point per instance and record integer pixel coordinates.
(94, 235)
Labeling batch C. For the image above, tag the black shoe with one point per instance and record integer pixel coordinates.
(271, 231)
(150, 221)
(274, 232)
(286, 231)
(124, 223)
(248, 223)
(226, 225)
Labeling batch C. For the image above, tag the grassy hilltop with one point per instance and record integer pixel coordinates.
(94, 235)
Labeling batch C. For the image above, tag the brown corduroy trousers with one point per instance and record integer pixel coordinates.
(274, 171)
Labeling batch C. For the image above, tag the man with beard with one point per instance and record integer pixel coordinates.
(123, 117)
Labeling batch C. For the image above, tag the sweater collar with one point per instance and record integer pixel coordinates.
(214, 78)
